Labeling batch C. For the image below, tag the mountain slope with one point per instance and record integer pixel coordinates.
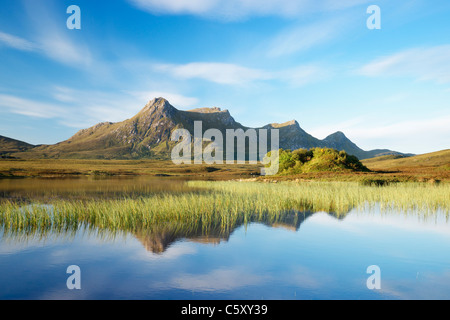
(10, 146)
(147, 135)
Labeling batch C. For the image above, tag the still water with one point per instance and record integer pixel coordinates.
(314, 257)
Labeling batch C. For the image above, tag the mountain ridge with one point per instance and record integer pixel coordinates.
(148, 135)
(9, 146)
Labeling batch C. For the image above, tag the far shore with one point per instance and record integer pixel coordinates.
(73, 168)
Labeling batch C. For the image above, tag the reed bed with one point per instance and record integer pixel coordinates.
(220, 206)
(340, 197)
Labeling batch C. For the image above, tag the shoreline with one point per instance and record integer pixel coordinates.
(70, 168)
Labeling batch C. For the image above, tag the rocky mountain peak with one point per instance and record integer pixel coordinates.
(158, 104)
(290, 125)
(213, 115)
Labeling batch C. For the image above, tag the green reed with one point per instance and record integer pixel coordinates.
(220, 206)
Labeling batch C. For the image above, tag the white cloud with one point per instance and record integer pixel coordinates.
(51, 39)
(303, 75)
(238, 9)
(29, 107)
(233, 74)
(304, 37)
(222, 73)
(83, 108)
(74, 112)
(61, 49)
(220, 279)
(64, 94)
(52, 44)
(190, 7)
(427, 64)
(16, 42)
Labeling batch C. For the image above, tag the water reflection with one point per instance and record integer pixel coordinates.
(158, 238)
(39, 189)
(297, 256)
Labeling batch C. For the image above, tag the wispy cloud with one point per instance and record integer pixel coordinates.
(197, 7)
(30, 107)
(304, 37)
(64, 94)
(219, 279)
(51, 44)
(305, 74)
(47, 38)
(430, 64)
(233, 74)
(239, 9)
(223, 73)
(16, 42)
(61, 49)
(83, 108)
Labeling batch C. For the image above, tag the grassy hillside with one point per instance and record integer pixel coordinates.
(10, 146)
(431, 167)
(435, 161)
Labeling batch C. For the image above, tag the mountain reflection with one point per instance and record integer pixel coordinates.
(159, 238)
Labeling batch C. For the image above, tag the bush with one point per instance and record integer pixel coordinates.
(316, 160)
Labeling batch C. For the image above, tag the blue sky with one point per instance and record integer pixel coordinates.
(266, 61)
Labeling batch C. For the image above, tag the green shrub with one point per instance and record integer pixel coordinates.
(317, 160)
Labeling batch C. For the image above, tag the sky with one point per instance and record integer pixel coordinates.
(266, 61)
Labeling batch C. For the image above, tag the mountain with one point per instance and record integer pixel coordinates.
(339, 141)
(147, 135)
(293, 137)
(9, 146)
